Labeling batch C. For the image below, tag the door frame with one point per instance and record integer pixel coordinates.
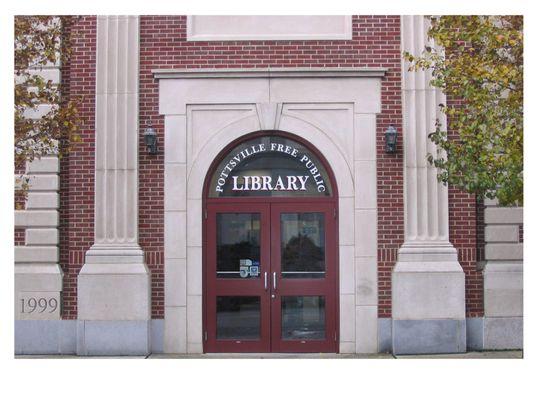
(333, 199)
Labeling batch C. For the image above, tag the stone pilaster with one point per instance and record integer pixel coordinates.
(428, 287)
(114, 283)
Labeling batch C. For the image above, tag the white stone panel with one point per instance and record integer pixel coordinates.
(365, 93)
(39, 305)
(366, 278)
(175, 187)
(346, 221)
(347, 318)
(269, 27)
(335, 120)
(207, 91)
(115, 291)
(44, 182)
(427, 295)
(504, 215)
(32, 254)
(501, 233)
(208, 121)
(366, 329)
(194, 270)
(175, 282)
(42, 200)
(194, 224)
(175, 338)
(45, 164)
(331, 152)
(365, 233)
(504, 251)
(347, 347)
(38, 277)
(175, 139)
(365, 184)
(42, 236)
(346, 270)
(503, 290)
(365, 137)
(194, 319)
(175, 234)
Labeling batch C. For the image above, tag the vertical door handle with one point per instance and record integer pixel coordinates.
(266, 281)
(274, 281)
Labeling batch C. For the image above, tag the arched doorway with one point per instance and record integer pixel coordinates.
(270, 248)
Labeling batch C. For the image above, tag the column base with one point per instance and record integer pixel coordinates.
(428, 301)
(428, 336)
(114, 302)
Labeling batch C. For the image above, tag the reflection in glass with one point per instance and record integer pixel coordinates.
(238, 317)
(238, 245)
(303, 317)
(302, 245)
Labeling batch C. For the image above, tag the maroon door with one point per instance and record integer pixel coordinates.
(271, 271)
(303, 265)
(238, 268)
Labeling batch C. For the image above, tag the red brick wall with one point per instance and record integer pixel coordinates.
(463, 235)
(20, 236)
(376, 43)
(77, 168)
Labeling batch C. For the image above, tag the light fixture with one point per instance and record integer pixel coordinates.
(150, 139)
(391, 136)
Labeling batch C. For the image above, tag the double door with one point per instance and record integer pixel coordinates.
(270, 273)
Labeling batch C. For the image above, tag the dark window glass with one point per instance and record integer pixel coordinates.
(302, 245)
(270, 166)
(238, 245)
(238, 317)
(303, 317)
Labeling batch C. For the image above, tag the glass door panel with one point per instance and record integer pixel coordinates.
(238, 245)
(303, 264)
(302, 245)
(303, 317)
(237, 296)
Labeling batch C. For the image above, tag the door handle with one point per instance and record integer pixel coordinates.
(266, 281)
(274, 283)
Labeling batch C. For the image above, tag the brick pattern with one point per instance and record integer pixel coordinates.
(375, 43)
(20, 236)
(465, 235)
(77, 168)
(463, 219)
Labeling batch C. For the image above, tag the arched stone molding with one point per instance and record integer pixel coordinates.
(231, 107)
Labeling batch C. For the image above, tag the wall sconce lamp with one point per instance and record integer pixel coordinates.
(391, 136)
(150, 139)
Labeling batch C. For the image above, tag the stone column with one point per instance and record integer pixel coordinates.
(114, 283)
(428, 286)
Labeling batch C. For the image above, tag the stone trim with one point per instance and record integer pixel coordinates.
(37, 271)
(268, 27)
(215, 73)
(338, 116)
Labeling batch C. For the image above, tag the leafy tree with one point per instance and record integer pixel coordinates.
(481, 71)
(41, 41)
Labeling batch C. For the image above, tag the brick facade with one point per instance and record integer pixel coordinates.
(375, 43)
(76, 232)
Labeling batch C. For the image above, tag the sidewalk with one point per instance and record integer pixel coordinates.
(514, 354)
